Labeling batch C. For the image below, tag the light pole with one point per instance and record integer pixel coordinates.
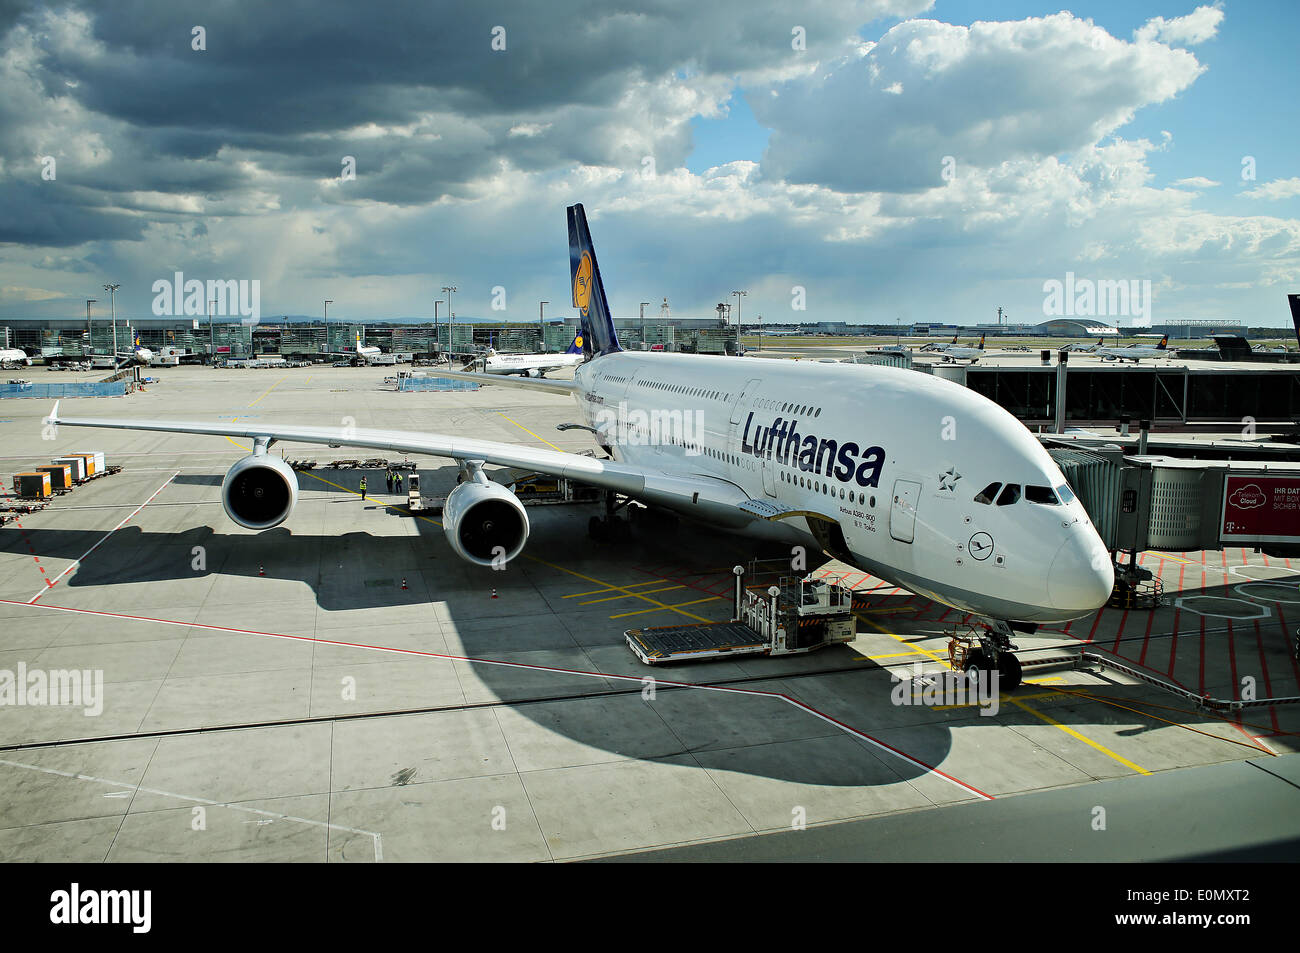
(436, 302)
(448, 289)
(90, 337)
(328, 302)
(112, 297)
(738, 295)
(541, 322)
(760, 332)
(212, 338)
(643, 305)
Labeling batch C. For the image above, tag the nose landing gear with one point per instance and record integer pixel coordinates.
(987, 648)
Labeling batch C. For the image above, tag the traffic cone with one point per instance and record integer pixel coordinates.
(403, 582)
(494, 593)
(260, 570)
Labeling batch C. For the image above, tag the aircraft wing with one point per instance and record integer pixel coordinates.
(640, 482)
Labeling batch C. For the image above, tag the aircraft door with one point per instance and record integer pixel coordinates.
(902, 513)
(769, 479)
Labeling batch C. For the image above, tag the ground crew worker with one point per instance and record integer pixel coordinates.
(363, 488)
(397, 480)
(388, 476)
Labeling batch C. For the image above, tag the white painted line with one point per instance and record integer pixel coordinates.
(376, 837)
(51, 583)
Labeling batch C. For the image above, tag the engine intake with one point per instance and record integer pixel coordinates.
(485, 523)
(259, 491)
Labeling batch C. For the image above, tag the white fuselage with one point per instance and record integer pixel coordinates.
(1133, 354)
(530, 364)
(14, 355)
(895, 457)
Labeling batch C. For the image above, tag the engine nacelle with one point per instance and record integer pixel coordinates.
(485, 523)
(259, 491)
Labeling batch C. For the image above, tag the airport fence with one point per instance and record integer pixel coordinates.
(434, 383)
(69, 389)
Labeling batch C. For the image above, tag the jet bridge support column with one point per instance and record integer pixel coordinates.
(1062, 369)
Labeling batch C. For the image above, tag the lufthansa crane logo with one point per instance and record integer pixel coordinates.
(577, 342)
(582, 284)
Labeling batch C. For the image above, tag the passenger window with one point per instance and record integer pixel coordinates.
(1064, 493)
(1040, 494)
(1010, 493)
(987, 494)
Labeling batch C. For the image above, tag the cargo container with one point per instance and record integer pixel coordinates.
(94, 461)
(78, 465)
(32, 486)
(60, 475)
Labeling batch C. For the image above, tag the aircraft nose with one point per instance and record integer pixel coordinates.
(1081, 576)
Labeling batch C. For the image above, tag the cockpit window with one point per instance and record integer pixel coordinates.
(1041, 494)
(987, 494)
(1010, 493)
(1064, 493)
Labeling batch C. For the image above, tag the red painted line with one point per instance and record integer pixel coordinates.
(54, 582)
(1268, 682)
(1123, 620)
(1244, 560)
(1146, 639)
(1202, 688)
(1095, 623)
(1173, 643)
(1265, 555)
(725, 689)
(1232, 665)
(945, 614)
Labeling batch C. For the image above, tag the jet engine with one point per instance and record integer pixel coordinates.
(485, 523)
(259, 491)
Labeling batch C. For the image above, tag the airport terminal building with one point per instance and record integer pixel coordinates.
(76, 338)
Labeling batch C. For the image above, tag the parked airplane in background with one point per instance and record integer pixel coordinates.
(534, 365)
(138, 354)
(918, 480)
(14, 357)
(365, 355)
(955, 352)
(1133, 352)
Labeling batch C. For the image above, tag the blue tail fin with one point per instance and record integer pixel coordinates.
(1294, 302)
(576, 346)
(598, 336)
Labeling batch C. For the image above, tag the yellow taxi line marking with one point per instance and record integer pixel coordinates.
(597, 592)
(643, 592)
(1074, 734)
(1033, 711)
(1180, 559)
(1002, 696)
(624, 615)
(877, 658)
(893, 635)
(269, 389)
(527, 431)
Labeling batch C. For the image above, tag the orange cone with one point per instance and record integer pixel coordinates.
(403, 582)
(494, 593)
(260, 570)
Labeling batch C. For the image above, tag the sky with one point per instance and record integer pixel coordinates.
(866, 161)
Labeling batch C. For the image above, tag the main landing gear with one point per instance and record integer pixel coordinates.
(994, 654)
(610, 528)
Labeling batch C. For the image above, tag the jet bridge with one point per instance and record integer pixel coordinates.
(792, 617)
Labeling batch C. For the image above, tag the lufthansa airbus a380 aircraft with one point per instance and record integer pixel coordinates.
(915, 479)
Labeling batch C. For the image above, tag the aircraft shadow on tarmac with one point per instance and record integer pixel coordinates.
(359, 570)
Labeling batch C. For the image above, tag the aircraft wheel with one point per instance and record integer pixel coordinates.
(596, 529)
(1008, 671)
(975, 660)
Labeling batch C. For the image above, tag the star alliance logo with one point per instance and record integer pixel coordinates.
(948, 481)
